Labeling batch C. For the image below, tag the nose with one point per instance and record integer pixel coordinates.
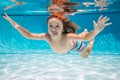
(54, 29)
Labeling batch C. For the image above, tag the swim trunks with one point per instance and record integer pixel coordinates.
(78, 46)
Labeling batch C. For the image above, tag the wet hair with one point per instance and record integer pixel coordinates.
(68, 26)
(68, 7)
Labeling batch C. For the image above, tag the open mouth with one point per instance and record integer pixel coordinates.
(54, 33)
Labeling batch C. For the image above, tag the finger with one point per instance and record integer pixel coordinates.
(107, 24)
(104, 18)
(100, 18)
(6, 14)
(107, 19)
(95, 24)
(85, 31)
(3, 16)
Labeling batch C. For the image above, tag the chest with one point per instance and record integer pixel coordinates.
(59, 45)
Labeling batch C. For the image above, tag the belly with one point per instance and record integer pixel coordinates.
(61, 50)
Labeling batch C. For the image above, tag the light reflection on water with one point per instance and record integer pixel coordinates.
(59, 67)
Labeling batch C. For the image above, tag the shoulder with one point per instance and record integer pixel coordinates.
(45, 35)
(71, 35)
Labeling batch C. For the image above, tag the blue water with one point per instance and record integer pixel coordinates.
(25, 59)
(11, 40)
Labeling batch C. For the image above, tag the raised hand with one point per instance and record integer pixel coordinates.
(15, 25)
(6, 17)
(101, 23)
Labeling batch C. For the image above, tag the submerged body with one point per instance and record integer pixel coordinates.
(62, 42)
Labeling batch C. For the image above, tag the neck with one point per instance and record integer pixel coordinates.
(58, 38)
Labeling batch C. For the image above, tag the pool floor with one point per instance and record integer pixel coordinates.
(59, 67)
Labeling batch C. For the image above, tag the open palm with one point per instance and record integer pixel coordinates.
(101, 23)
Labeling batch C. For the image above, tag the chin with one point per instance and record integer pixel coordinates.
(55, 36)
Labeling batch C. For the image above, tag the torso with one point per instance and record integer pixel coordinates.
(61, 46)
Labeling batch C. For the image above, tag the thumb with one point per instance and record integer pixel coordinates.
(85, 30)
(95, 24)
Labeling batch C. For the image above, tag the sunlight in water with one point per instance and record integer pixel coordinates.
(58, 67)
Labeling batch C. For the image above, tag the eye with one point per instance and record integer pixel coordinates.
(51, 26)
(57, 26)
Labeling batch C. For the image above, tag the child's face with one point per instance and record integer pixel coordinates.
(55, 27)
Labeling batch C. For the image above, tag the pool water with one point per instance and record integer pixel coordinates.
(25, 59)
(33, 66)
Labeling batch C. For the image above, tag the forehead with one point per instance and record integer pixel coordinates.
(54, 20)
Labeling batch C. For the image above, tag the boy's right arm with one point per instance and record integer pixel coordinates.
(25, 32)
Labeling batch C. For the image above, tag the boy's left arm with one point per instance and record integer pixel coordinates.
(98, 27)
